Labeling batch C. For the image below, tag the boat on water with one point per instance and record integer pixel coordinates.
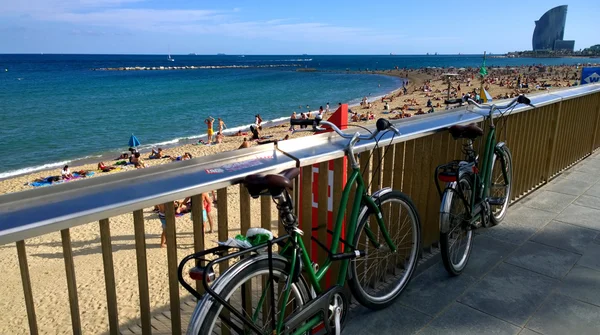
(220, 54)
(170, 59)
(192, 54)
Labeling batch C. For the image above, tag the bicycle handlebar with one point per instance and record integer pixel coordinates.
(382, 124)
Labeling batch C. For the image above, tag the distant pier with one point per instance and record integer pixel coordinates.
(191, 67)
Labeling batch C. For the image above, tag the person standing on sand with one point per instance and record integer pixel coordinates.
(327, 108)
(319, 115)
(207, 205)
(257, 119)
(209, 124)
(293, 117)
(222, 125)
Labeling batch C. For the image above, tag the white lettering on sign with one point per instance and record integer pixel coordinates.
(593, 78)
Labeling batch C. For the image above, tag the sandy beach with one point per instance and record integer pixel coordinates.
(45, 253)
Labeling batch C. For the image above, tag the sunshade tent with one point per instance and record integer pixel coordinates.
(133, 141)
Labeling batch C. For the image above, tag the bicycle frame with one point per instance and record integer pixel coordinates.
(315, 277)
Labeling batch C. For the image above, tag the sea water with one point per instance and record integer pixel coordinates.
(59, 108)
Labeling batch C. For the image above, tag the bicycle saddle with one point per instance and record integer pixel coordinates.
(275, 183)
(471, 131)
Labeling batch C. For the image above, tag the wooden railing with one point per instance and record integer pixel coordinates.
(544, 141)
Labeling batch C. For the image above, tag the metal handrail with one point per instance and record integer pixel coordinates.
(36, 212)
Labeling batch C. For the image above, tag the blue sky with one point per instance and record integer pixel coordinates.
(283, 27)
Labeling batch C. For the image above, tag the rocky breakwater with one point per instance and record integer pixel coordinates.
(191, 67)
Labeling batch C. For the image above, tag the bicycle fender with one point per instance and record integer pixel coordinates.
(203, 306)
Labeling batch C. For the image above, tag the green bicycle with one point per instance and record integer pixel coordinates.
(266, 292)
(476, 194)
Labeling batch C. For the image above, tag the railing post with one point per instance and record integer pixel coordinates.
(71, 283)
(172, 266)
(550, 161)
(109, 277)
(596, 124)
(27, 287)
(142, 270)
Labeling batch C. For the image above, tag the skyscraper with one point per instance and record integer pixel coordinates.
(550, 29)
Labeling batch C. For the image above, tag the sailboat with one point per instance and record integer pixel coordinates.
(170, 59)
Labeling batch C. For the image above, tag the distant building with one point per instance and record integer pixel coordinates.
(550, 29)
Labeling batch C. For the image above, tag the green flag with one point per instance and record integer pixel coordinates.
(482, 70)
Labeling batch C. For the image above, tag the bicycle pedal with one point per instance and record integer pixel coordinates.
(495, 201)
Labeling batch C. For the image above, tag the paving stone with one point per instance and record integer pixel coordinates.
(509, 293)
(392, 320)
(594, 191)
(581, 216)
(590, 167)
(526, 331)
(581, 176)
(519, 225)
(464, 320)
(487, 252)
(582, 284)
(591, 257)
(543, 259)
(549, 201)
(565, 236)
(564, 315)
(434, 289)
(588, 201)
(568, 186)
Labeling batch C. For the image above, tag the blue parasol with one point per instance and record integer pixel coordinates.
(133, 141)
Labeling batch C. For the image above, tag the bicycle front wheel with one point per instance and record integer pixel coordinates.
(456, 243)
(379, 277)
(248, 291)
(500, 184)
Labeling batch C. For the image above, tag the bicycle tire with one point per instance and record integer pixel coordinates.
(452, 203)
(502, 156)
(260, 268)
(367, 292)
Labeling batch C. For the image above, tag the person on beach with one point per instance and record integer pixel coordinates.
(257, 120)
(186, 156)
(319, 115)
(123, 156)
(245, 144)
(255, 132)
(240, 133)
(105, 168)
(156, 154)
(209, 124)
(303, 117)
(220, 137)
(221, 125)
(293, 117)
(207, 205)
(65, 173)
(138, 162)
(327, 108)
(163, 221)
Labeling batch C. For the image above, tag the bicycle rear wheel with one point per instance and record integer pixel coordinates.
(379, 277)
(456, 244)
(244, 292)
(500, 183)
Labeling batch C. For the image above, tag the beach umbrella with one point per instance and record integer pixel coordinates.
(133, 141)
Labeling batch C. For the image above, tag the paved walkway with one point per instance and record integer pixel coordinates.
(538, 272)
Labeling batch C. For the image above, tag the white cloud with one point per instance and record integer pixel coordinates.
(83, 14)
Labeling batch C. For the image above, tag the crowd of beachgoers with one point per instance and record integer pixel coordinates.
(424, 92)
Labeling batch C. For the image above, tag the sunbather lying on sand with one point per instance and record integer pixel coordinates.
(105, 168)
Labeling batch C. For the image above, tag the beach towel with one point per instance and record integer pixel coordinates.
(44, 183)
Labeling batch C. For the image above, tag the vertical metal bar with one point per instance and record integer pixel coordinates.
(596, 123)
(552, 142)
(322, 209)
(28, 293)
(338, 181)
(306, 211)
(198, 231)
(142, 270)
(71, 283)
(109, 277)
(172, 265)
